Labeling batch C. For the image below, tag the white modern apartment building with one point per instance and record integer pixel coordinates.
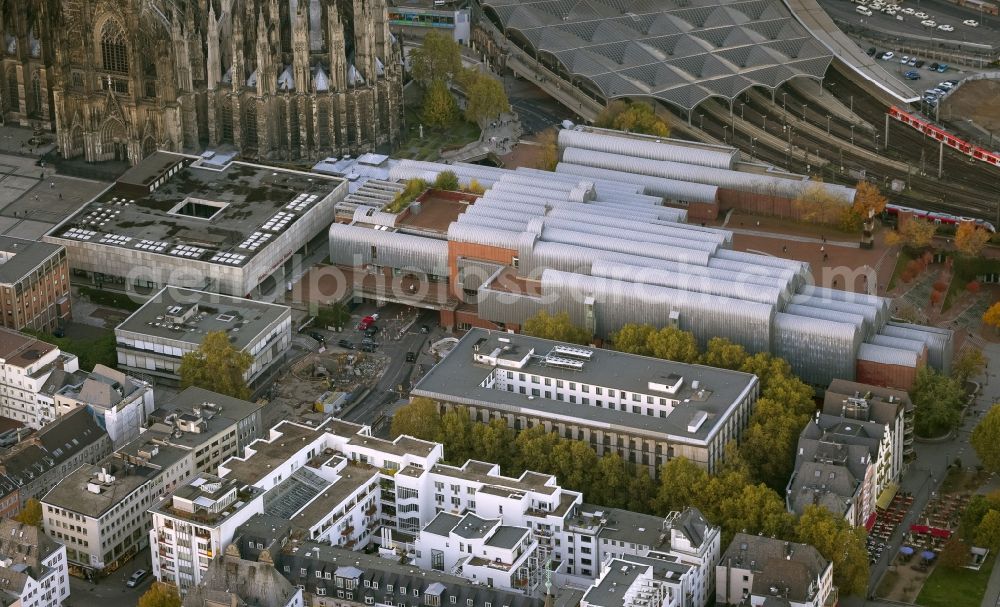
(195, 523)
(102, 511)
(757, 570)
(337, 483)
(632, 582)
(484, 550)
(120, 403)
(33, 567)
(25, 365)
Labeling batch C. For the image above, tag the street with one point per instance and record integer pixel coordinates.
(112, 589)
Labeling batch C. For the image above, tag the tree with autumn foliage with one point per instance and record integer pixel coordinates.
(912, 233)
(868, 199)
(992, 316)
(970, 238)
(634, 117)
(548, 141)
(818, 204)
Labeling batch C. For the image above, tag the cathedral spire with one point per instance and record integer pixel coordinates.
(213, 62)
(338, 51)
(300, 48)
(239, 75)
(266, 79)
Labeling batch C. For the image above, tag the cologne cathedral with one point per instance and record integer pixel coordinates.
(274, 79)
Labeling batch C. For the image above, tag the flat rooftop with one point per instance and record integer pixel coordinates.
(18, 257)
(72, 494)
(200, 313)
(437, 211)
(21, 350)
(222, 216)
(458, 378)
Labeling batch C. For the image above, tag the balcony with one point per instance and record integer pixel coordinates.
(348, 531)
(371, 510)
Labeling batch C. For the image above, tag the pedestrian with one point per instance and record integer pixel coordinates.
(60, 196)
(822, 249)
(825, 256)
(784, 249)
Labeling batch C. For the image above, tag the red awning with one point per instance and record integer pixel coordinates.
(919, 528)
(870, 522)
(936, 532)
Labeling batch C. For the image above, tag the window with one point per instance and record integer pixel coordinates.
(321, 591)
(114, 52)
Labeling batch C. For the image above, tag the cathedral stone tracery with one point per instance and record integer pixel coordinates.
(276, 79)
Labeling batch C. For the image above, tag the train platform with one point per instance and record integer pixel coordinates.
(812, 16)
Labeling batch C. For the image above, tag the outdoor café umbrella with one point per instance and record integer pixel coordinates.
(906, 550)
(927, 555)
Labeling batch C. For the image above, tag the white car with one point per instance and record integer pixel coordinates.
(888, 55)
(946, 85)
(929, 23)
(908, 10)
(944, 27)
(971, 23)
(921, 15)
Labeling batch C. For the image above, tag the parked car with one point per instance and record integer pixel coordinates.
(933, 67)
(367, 321)
(904, 59)
(863, 10)
(946, 85)
(942, 68)
(928, 23)
(944, 27)
(919, 63)
(411, 357)
(343, 343)
(371, 331)
(317, 336)
(912, 62)
(871, 51)
(912, 75)
(136, 578)
(921, 15)
(887, 55)
(908, 10)
(971, 23)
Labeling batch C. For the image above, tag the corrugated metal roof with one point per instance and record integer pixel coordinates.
(624, 232)
(464, 232)
(671, 253)
(492, 222)
(768, 185)
(353, 246)
(647, 148)
(902, 343)
(832, 315)
(887, 356)
(672, 189)
(687, 282)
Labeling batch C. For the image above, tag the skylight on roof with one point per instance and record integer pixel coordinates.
(79, 234)
(278, 222)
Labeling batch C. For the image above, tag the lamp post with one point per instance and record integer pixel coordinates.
(725, 133)
(852, 134)
(828, 124)
(741, 112)
(784, 110)
(765, 123)
(804, 106)
(701, 121)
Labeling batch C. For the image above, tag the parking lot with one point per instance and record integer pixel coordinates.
(908, 20)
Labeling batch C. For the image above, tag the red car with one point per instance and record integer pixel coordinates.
(367, 321)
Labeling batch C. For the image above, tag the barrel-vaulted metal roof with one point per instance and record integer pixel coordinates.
(678, 51)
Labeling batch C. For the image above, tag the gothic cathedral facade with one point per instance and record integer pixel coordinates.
(289, 80)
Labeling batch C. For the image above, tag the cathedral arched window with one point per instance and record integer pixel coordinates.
(13, 99)
(114, 51)
(36, 92)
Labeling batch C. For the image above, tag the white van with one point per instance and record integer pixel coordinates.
(863, 10)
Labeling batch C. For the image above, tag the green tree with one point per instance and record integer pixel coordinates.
(439, 58)
(681, 484)
(641, 491)
(439, 107)
(985, 440)
(974, 512)
(611, 486)
(31, 514)
(336, 315)
(671, 343)
(969, 363)
(456, 434)
(988, 531)
(633, 338)
(446, 180)
(938, 400)
(557, 327)
(217, 366)
(839, 543)
(160, 595)
(769, 441)
(724, 354)
(492, 442)
(418, 418)
(755, 508)
(487, 99)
